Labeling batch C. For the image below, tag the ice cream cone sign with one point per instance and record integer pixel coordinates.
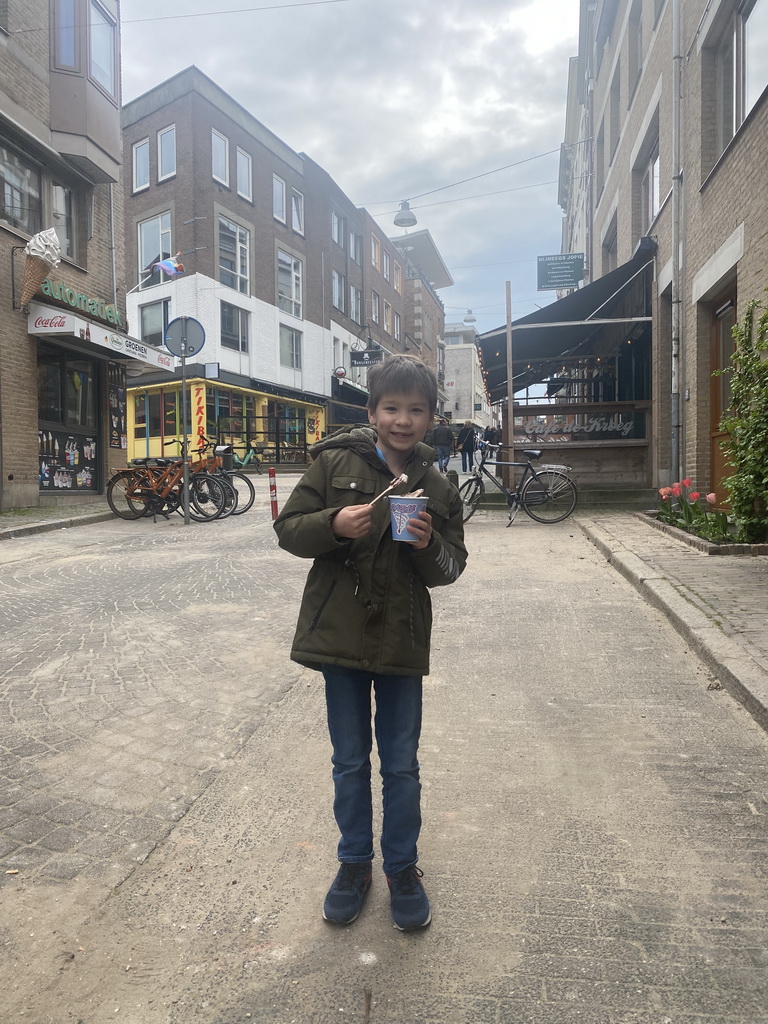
(43, 255)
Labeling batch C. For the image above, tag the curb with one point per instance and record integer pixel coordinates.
(744, 679)
(13, 532)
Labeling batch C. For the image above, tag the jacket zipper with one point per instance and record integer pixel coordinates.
(320, 610)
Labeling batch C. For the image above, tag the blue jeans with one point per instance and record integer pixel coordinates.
(443, 455)
(398, 726)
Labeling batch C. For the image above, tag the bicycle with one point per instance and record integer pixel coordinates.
(154, 487)
(238, 481)
(251, 457)
(546, 494)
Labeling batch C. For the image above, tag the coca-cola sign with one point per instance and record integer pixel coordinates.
(52, 322)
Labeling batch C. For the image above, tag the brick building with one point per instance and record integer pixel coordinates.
(63, 354)
(290, 280)
(625, 84)
(624, 209)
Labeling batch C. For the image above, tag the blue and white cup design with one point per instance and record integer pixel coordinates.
(401, 510)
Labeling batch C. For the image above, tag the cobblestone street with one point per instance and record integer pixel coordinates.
(595, 807)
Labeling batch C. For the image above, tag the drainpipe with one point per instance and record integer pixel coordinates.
(677, 176)
(112, 247)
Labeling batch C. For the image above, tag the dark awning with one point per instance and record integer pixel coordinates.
(592, 321)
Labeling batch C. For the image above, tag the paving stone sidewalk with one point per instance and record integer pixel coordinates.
(718, 604)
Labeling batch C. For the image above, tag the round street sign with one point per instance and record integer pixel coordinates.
(184, 336)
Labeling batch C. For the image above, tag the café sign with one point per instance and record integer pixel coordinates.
(47, 320)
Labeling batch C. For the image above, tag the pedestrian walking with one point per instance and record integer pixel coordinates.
(466, 445)
(365, 622)
(443, 439)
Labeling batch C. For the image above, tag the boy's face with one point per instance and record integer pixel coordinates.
(401, 421)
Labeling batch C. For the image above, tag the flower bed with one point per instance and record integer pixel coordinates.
(705, 546)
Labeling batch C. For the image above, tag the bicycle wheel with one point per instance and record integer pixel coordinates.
(246, 492)
(207, 497)
(124, 495)
(548, 497)
(471, 492)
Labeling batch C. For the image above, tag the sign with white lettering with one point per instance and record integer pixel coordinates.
(565, 270)
(367, 357)
(46, 320)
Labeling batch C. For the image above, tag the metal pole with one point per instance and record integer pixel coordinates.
(184, 412)
(677, 77)
(509, 471)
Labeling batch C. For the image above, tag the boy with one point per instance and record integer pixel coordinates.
(365, 620)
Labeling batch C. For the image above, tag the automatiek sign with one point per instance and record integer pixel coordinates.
(96, 308)
(565, 270)
(46, 320)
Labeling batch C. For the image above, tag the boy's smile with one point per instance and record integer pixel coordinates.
(401, 421)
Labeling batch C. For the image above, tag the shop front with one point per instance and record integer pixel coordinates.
(82, 428)
(280, 428)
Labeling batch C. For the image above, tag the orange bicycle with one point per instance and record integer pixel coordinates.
(154, 487)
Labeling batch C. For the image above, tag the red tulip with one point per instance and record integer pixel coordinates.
(694, 495)
(676, 490)
(686, 482)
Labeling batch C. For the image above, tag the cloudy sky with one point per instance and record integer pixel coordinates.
(395, 99)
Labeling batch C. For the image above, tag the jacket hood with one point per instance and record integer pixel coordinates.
(361, 438)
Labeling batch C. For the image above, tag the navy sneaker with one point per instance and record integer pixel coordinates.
(409, 903)
(344, 899)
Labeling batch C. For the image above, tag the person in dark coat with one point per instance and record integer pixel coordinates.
(466, 445)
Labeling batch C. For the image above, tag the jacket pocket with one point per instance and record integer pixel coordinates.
(316, 617)
(352, 485)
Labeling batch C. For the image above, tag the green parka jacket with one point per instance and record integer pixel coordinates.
(366, 603)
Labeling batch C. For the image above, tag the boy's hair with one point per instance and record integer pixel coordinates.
(398, 375)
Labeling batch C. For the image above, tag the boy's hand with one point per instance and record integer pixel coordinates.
(352, 522)
(422, 528)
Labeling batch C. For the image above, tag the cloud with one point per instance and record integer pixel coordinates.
(395, 98)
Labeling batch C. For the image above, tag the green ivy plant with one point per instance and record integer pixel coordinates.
(746, 425)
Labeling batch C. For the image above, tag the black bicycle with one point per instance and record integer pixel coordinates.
(547, 494)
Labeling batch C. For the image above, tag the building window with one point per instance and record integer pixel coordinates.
(244, 175)
(166, 153)
(67, 389)
(387, 265)
(289, 273)
(20, 198)
(63, 211)
(65, 35)
(234, 267)
(141, 165)
(375, 252)
(741, 61)
(398, 278)
(355, 304)
(387, 317)
(635, 44)
(290, 347)
(614, 112)
(103, 49)
(234, 327)
(375, 307)
(154, 319)
(611, 248)
(338, 229)
(650, 199)
(600, 160)
(220, 157)
(154, 245)
(278, 198)
(396, 334)
(356, 247)
(339, 290)
(297, 211)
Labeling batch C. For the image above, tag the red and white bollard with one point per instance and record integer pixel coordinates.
(273, 491)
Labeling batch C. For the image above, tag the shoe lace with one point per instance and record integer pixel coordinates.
(407, 882)
(351, 877)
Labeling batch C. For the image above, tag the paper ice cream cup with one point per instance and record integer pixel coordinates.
(401, 509)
